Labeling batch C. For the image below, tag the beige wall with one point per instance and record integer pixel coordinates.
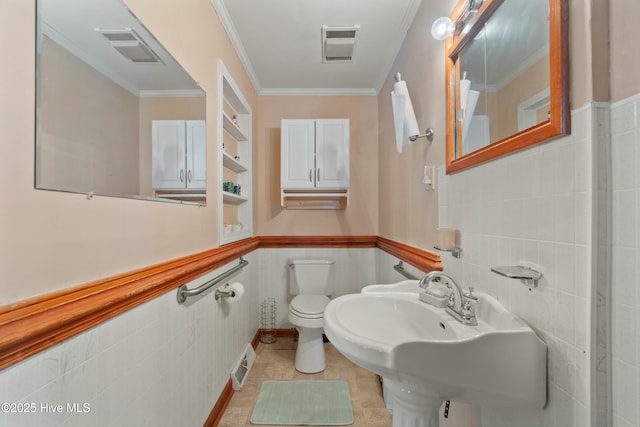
(623, 39)
(88, 127)
(51, 241)
(589, 49)
(504, 111)
(361, 216)
(408, 213)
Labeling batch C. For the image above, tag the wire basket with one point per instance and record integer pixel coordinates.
(268, 321)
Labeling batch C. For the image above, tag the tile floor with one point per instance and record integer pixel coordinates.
(275, 362)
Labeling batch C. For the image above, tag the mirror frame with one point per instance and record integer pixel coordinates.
(559, 123)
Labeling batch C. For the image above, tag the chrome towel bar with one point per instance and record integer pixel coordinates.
(184, 292)
(399, 267)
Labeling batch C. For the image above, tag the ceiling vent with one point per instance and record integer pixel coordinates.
(338, 43)
(130, 45)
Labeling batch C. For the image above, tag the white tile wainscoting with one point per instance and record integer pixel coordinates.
(160, 364)
(625, 261)
(547, 205)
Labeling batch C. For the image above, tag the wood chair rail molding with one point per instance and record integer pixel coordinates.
(31, 326)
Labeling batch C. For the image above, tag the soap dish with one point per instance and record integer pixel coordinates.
(436, 301)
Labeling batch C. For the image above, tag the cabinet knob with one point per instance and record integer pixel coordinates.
(310, 175)
(189, 176)
(317, 174)
(181, 175)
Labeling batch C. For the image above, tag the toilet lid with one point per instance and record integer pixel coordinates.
(309, 305)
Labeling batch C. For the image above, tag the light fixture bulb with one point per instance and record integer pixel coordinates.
(442, 28)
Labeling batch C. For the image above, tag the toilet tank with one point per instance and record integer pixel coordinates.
(311, 277)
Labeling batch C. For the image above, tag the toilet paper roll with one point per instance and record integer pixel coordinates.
(238, 292)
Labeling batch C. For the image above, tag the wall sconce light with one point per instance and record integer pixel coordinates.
(444, 27)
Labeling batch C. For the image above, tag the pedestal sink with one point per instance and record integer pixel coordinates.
(426, 356)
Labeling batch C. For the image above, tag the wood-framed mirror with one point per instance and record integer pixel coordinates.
(508, 62)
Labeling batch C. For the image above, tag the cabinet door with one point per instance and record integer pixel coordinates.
(168, 154)
(332, 153)
(196, 154)
(297, 143)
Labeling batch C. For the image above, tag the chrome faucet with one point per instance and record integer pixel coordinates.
(432, 276)
(460, 306)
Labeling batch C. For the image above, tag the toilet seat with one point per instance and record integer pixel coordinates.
(309, 306)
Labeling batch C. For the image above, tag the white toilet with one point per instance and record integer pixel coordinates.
(312, 282)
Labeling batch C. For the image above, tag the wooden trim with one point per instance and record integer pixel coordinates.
(286, 333)
(560, 121)
(221, 404)
(318, 241)
(419, 258)
(31, 326)
(34, 325)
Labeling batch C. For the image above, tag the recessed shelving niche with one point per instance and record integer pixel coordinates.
(235, 206)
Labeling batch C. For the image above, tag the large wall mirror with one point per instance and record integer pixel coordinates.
(116, 115)
(507, 78)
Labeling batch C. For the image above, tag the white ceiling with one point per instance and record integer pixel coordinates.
(279, 43)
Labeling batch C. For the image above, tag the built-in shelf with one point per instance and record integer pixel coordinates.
(233, 198)
(236, 235)
(232, 128)
(229, 162)
(234, 154)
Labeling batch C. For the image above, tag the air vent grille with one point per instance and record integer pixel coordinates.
(338, 43)
(130, 45)
(343, 34)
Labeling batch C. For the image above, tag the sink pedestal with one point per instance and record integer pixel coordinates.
(411, 408)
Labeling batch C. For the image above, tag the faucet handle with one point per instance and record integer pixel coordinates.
(469, 295)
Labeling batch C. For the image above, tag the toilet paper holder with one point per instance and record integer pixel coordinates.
(224, 292)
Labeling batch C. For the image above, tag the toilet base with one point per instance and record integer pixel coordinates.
(310, 357)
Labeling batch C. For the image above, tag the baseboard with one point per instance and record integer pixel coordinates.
(218, 410)
(285, 333)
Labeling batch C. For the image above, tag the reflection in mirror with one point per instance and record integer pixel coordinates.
(507, 79)
(104, 85)
(505, 75)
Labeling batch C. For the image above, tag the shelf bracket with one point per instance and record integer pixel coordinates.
(526, 275)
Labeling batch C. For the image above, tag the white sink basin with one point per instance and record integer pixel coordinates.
(425, 351)
(403, 287)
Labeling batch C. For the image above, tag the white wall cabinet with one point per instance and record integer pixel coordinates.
(314, 154)
(235, 211)
(179, 155)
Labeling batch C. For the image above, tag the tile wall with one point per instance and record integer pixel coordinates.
(161, 364)
(625, 280)
(354, 268)
(534, 206)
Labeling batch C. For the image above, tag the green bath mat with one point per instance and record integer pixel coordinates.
(325, 403)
